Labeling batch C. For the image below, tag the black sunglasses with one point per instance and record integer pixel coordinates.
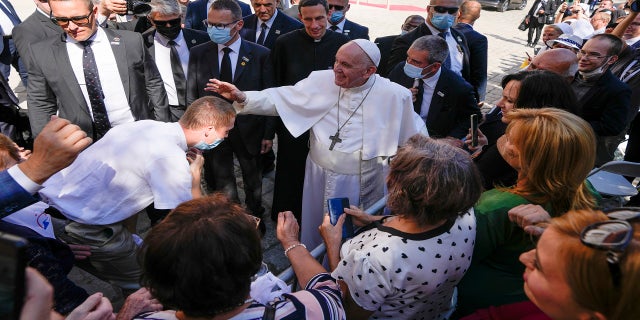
(172, 22)
(79, 21)
(441, 9)
(624, 213)
(336, 7)
(612, 236)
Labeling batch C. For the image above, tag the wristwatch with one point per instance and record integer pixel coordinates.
(635, 6)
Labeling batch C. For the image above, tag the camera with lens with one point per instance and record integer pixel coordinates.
(138, 7)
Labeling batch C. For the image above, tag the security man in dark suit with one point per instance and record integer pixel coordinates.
(339, 23)
(440, 18)
(442, 98)
(478, 45)
(197, 13)
(267, 24)
(264, 27)
(94, 77)
(247, 65)
(384, 43)
(169, 45)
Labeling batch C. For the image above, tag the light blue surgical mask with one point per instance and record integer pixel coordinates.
(414, 72)
(207, 146)
(442, 21)
(336, 16)
(219, 36)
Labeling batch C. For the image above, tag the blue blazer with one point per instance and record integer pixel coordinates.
(452, 103)
(281, 24)
(12, 196)
(197, 11)
(355, 31)
(478, 47)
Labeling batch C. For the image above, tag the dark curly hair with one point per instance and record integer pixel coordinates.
(430, 180)
(201, 257)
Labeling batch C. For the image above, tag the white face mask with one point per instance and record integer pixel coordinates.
(596, 72)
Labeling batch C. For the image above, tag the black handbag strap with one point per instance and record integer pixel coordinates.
(269, 312)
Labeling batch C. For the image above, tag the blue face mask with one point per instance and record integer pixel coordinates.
(414, 72)
(219, 36)
(206, 146)
(336, 16)
(442, 21)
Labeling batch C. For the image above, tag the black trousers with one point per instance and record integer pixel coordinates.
(220, 176)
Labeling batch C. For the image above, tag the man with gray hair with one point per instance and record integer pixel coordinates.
(169, 44)
(361, 122)
(443, 99)
(560, 60)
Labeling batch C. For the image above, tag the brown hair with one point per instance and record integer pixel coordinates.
(201, 257)
(208, 111)
(430, 180)
(557, 152)
(8, 151)
(587, 272)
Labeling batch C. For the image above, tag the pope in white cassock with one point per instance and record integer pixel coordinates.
(357, 120)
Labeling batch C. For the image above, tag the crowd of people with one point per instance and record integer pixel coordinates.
(144, 113)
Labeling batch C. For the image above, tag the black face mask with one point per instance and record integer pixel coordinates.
(169, 32)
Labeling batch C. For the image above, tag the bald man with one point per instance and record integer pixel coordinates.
(561, 61)
(478, 45)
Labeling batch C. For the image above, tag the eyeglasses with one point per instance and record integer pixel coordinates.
(172, 22)
(441, 9)
(613, 236)
(219, 26)
(336, 7)
(589, 55)
(79, 21)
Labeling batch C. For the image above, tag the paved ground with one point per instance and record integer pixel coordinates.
(506, 53)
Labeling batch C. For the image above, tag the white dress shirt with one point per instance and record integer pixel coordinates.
(428, 85)
(162, 52)
(455, 51)
(115, 98)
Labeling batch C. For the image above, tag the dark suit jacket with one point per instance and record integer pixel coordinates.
(625, 57)
(12, 196)
(478, 46)
(403, 42)
(452, 103)
(281, 25)
(35, 28)
(192, 38)
(53, 86)
(606, 105)
(197, 11)
(253, 72)
(355, 31)
(384, 44)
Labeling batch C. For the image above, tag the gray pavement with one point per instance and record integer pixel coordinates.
(506, 53)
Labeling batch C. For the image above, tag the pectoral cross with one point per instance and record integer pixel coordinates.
(334, 139)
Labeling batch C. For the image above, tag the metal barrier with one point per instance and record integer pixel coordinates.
(288, 276)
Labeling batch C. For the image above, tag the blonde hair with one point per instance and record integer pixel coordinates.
(208, 111)
(587, 271)
(557, 151)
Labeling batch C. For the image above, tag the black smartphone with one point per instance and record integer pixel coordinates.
(336, 209)
(474, 130)
(12, 264)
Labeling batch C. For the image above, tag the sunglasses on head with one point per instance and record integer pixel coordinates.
(441, 9)
(336, 7)
(612, 236)
(165, 22)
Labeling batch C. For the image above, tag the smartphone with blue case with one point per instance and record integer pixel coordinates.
(336, 208)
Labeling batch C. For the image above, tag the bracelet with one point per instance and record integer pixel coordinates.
(299, 244)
